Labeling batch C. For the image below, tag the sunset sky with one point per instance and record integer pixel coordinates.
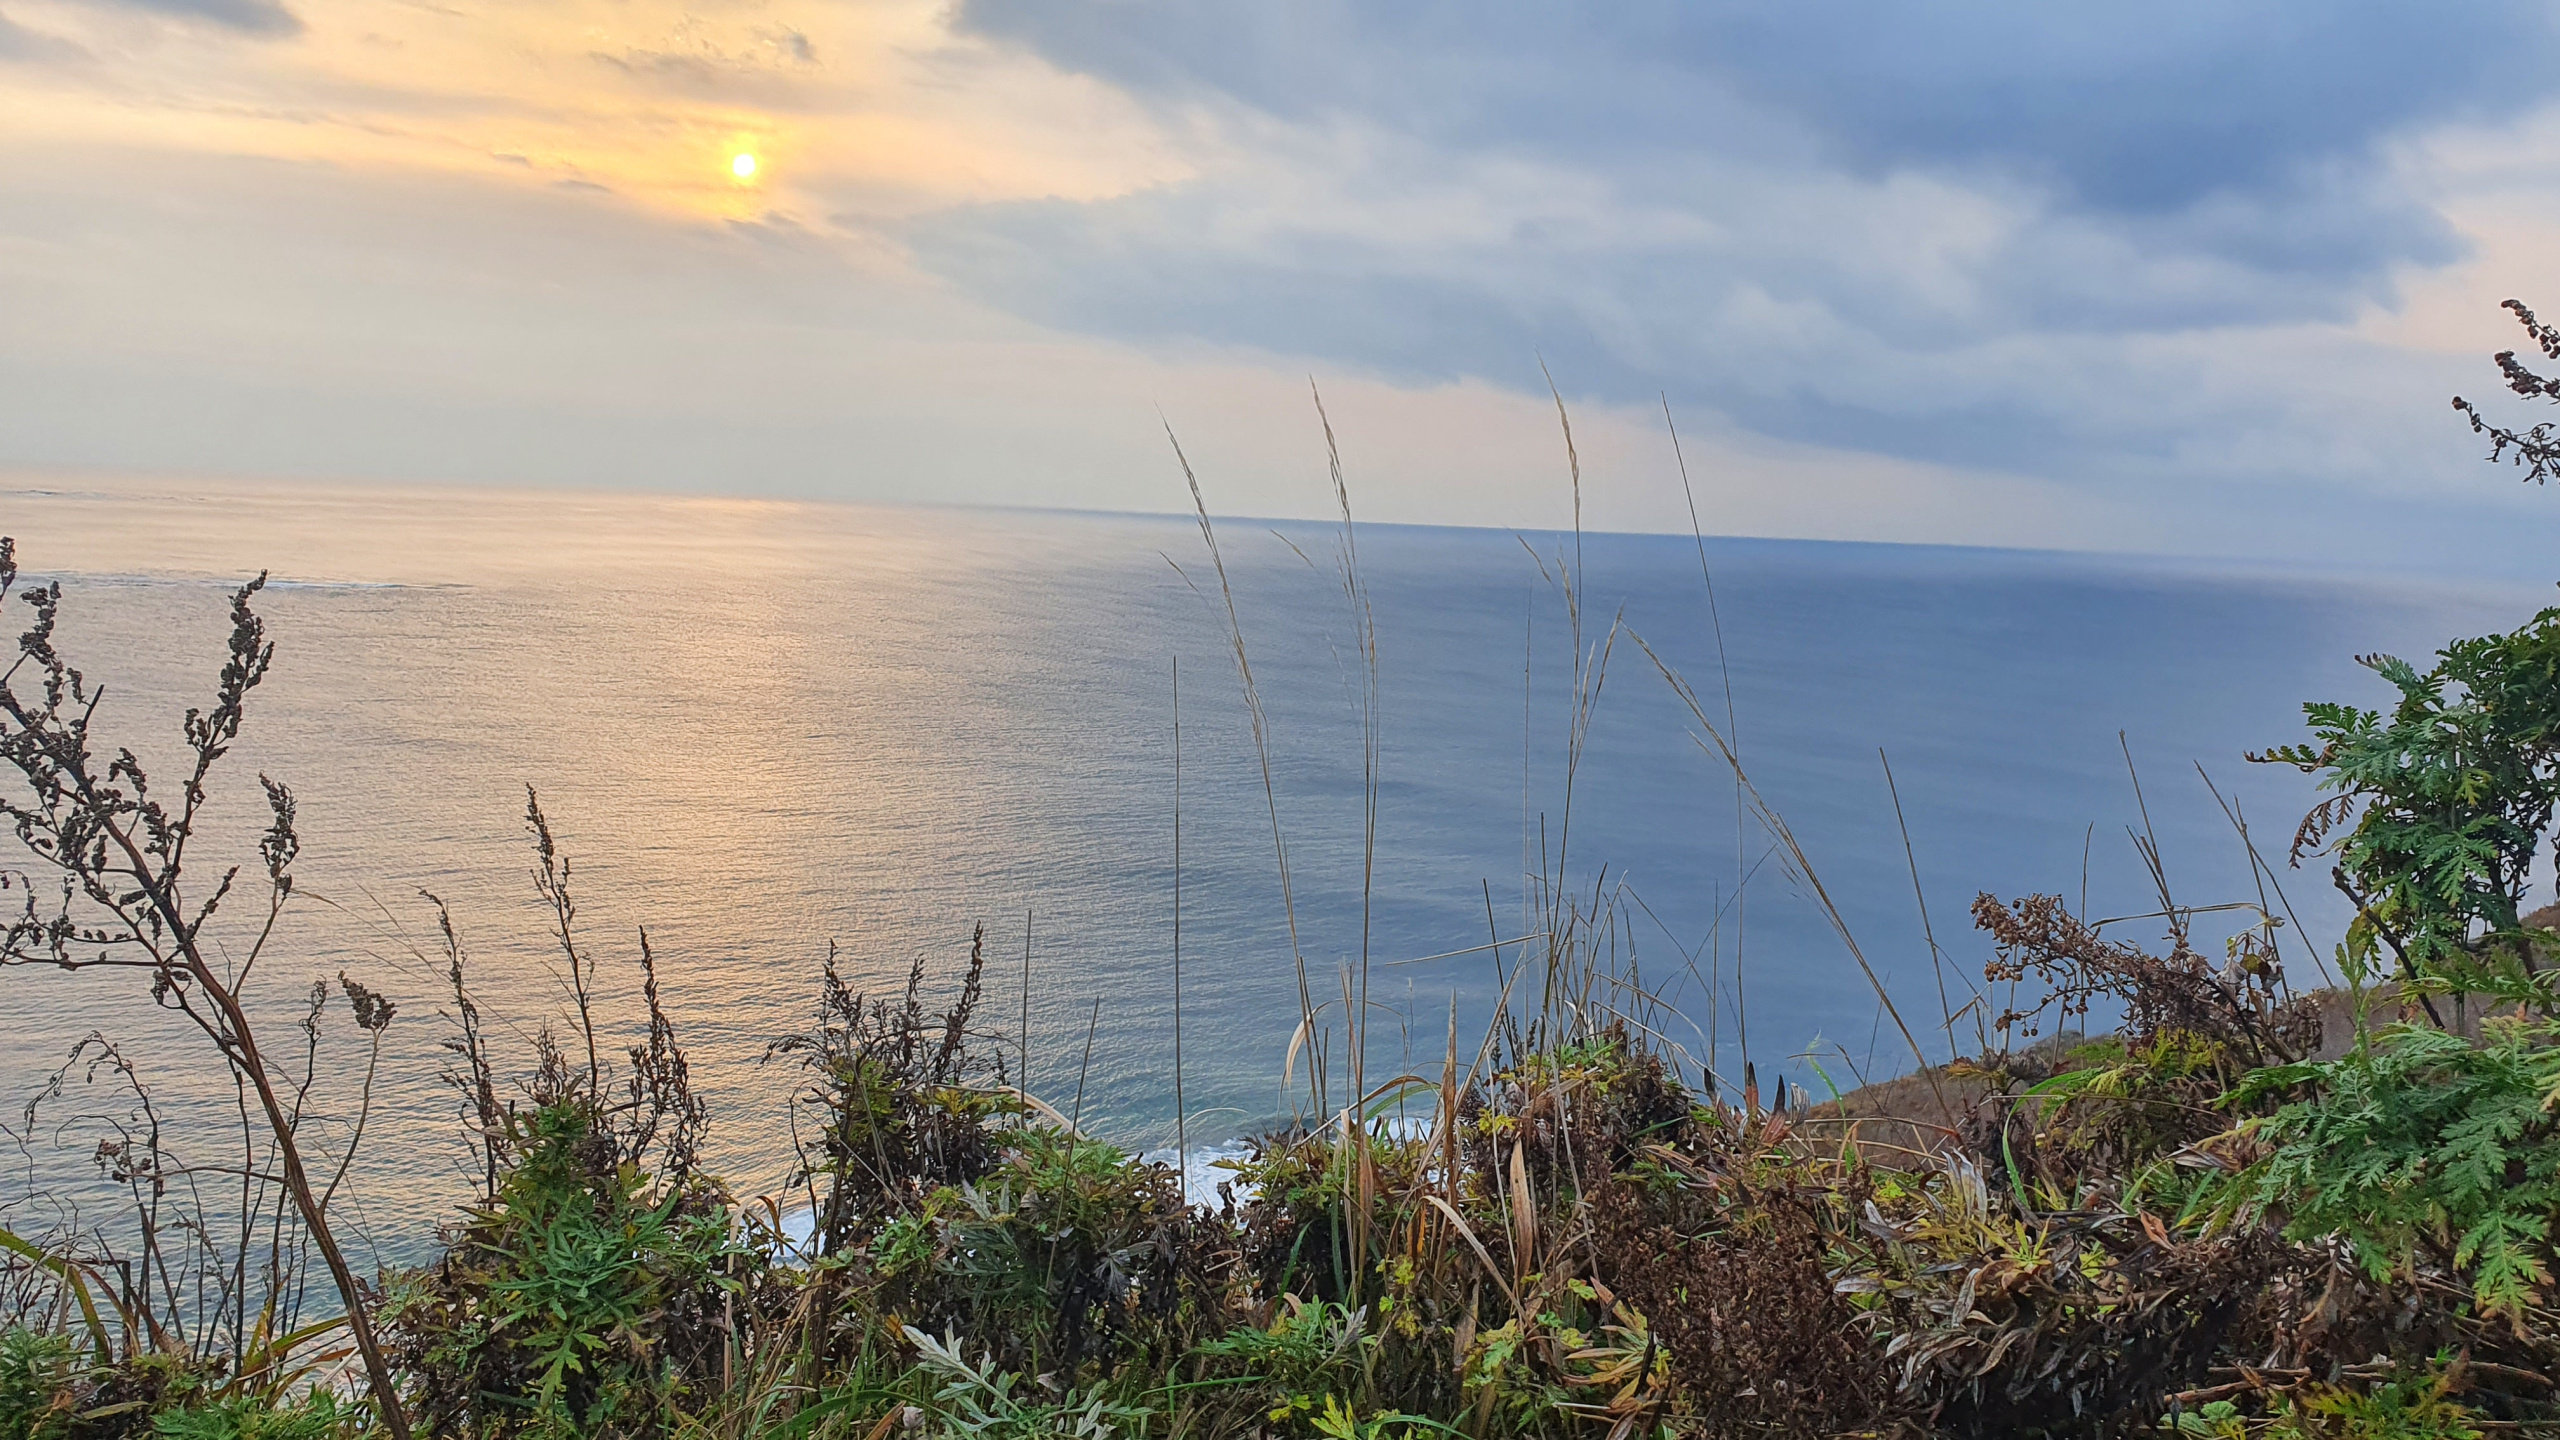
(2193, 277)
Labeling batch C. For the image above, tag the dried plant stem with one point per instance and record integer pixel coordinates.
(1732, 730)
(124, 850)
(1365, 638)
(1025, 1076)
(1937, 959)
(1800, 865)
(1075, 1121)
(364, 1112)
(1262, 751)
(1181, 1119)
(241, 1044)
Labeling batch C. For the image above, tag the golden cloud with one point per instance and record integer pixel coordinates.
(862, 109)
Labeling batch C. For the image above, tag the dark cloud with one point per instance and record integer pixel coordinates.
(2128, 106)
(1623, 328)
(255, 17)
(1934, 324)
(2138, 107)
(2241, 132)
(793, 45)
(1927, 229)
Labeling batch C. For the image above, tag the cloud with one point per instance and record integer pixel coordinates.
(2232, 150)
(2140, 107)
(1906, 314)
(17, 42)
(695, 56)
(792, 44)
(254, 17)
(2191, 278)
(1999, 235)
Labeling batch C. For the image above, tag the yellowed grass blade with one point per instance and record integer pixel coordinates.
(1468, 1234)
(1524, 1214)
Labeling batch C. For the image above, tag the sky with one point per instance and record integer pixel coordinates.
(2196, 277)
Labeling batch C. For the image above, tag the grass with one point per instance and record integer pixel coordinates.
(2204, 1223)
(2068, 1239)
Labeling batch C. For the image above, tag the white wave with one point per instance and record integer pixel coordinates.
(1202, 1174)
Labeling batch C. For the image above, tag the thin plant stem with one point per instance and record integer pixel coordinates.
(1075, 1122)
(1181, 1121)
(1025, 1077)
(1732, 726)
(1262, 751)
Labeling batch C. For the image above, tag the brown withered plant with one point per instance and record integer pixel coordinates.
(127, 894)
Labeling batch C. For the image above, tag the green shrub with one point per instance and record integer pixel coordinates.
(984, 1401)
(52, 1389)
(316, 1416)
(2419, 1144)
(1069, 1254)
(2450, 795)
(1289, 1371)
(2418, 1408)
(37, 1371)
(581, 1299)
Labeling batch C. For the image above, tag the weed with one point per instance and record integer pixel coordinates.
(317, 1416)
(2189, 1226)
(125, 895)
(2419, 1144)
(38, 1372)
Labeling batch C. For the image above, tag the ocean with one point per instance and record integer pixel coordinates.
(762, 729)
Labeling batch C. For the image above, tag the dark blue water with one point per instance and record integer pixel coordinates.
(762, 727)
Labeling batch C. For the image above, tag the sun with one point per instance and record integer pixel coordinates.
(743, 165)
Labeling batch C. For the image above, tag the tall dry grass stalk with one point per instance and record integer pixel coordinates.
(1799, 865)
(1949, 1013)
(1364, 629)
(1181, 1115)
(1262, 753)
(131, 899)
(1733, 733)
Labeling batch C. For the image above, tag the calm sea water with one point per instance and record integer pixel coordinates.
(761, 728)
